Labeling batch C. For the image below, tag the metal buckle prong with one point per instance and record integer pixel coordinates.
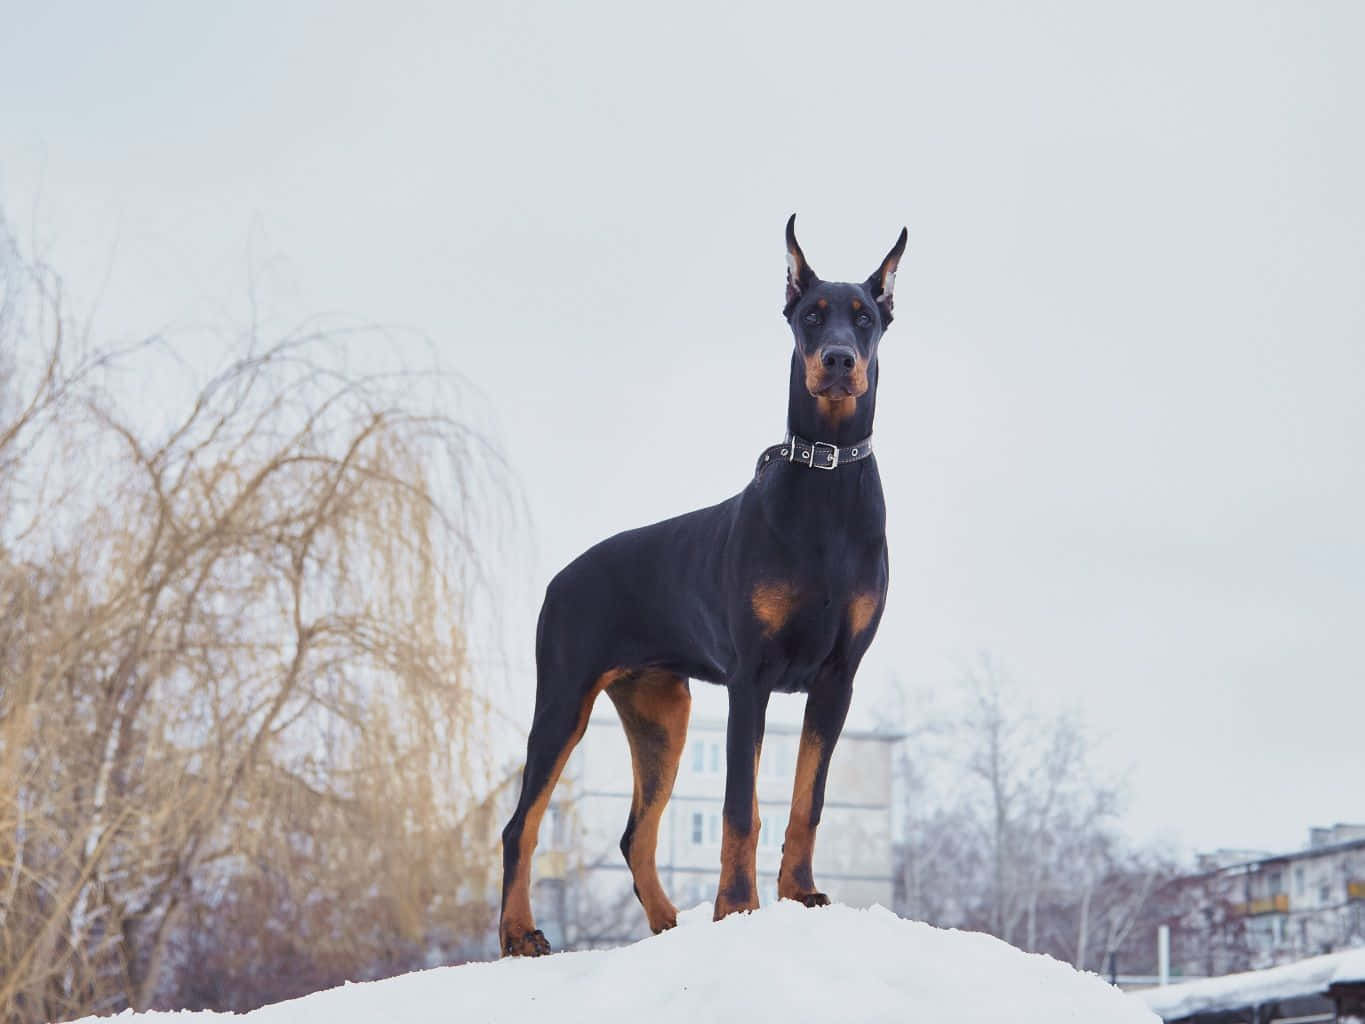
(833, 454)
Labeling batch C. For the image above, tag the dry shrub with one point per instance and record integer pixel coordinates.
(238, 727)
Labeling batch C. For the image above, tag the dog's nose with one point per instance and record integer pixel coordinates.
(838, 358)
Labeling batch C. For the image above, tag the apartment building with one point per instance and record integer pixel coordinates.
(584, 892)
(1249, 910)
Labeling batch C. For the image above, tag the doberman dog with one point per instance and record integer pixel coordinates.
(779, 588)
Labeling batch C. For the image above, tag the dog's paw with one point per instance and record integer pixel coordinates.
(724, 910)
(813, 899)
(664, 922)
(532, 943)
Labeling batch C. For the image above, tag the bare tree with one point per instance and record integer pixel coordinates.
(234, 683)
(1008, 827)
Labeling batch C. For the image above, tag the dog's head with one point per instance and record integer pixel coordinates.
(837, 325)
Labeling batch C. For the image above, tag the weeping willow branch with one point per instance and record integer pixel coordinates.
(234, 666)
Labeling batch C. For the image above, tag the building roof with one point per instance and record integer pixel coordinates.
(1270, 858)
(772, 727)
(1233, 991)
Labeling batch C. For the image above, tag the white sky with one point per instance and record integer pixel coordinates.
(1120, 420)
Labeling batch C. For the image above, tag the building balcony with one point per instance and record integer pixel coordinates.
(1277, 904)
(1356, 890)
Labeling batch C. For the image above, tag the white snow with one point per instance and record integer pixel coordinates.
(783, 963)
(1351, 968)
(1302, 978)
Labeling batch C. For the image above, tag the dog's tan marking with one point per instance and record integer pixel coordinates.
(795, 879)
(861, 610)
(835, 410)
(654, 710)
(858, 379)
(738, 888)
(822, 303)
(738, 877)
(815, 373)
(517, 920)
(857, 305)
(773, 604)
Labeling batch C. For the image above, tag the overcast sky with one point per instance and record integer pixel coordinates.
(1120, 419)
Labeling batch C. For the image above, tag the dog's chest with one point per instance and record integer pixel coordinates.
(833, 597)
(815, 573)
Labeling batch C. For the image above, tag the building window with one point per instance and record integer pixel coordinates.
(556, 838)
(771, 835)
(773, 759)
(706, 757)
(1276, 883)
(705, 828)
(1298, 882)
(1325, 894)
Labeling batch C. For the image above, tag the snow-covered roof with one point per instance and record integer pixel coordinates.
(1303, 978)
(783, 963)
(1352, 968)
(1221, 861)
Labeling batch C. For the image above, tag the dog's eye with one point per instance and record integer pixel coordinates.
(812, 319)
(863, 319)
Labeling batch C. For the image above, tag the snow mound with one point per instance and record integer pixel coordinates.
(783, 963)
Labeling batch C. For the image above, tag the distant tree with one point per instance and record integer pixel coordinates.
(1210, 930)
(239, 732)
(1008, 827)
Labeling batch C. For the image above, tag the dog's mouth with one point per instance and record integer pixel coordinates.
(837, 391)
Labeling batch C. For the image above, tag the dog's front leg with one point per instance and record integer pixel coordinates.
(826, 708)
(743, 738)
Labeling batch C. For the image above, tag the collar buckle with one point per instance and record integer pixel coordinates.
(832, 459)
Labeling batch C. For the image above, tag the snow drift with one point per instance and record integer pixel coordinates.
(784, 963)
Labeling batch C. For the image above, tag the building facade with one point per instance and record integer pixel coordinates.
(584, 893)
(1246, 910)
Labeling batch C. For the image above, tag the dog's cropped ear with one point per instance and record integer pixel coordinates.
(799, 274)
(882, 283)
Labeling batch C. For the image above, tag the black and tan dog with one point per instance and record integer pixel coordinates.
(780, 588)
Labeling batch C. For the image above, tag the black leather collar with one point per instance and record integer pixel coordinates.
(814, 454)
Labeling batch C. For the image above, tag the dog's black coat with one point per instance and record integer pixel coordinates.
(779, 588)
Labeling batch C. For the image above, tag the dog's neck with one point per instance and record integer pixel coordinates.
(818, 419)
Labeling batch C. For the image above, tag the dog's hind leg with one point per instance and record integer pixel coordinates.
(555, 731)
(654, 707)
